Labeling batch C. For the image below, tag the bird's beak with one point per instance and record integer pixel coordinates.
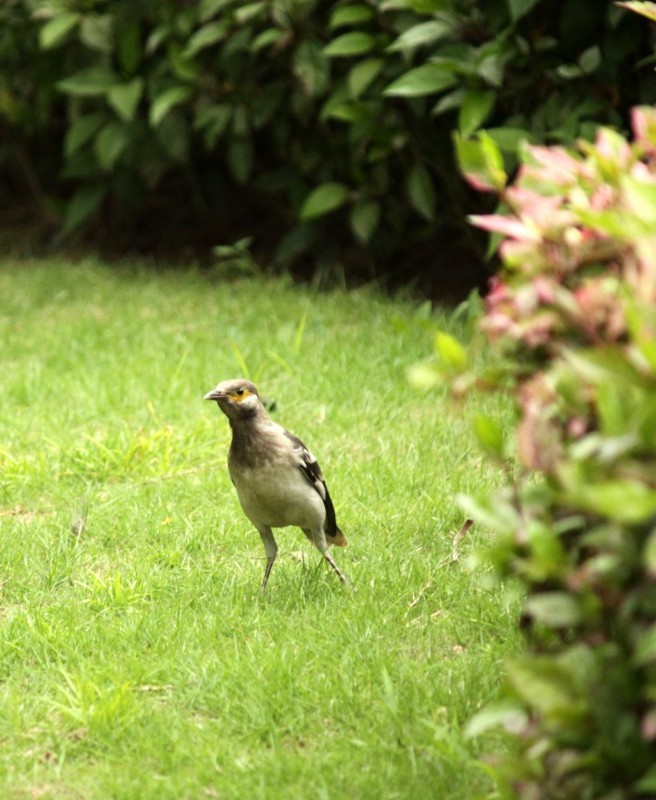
(215, 394)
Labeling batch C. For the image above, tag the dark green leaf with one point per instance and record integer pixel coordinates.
(598, 366)
(81, 206)
(649, 554)
(245, 13)
(350, 44)
(57, 29)
(352, 14)
(164, 102)
(645, 649)
(424, 80)
(421, 191)
(206, 36)
(156, 38)
(646, 786)
(349, 112)
(124, 98)
(362, 74)
(109, 144)
(97, 32)
(590, 60)
(265, 39)
(173, 135)
(128, 45)
(509, 140)
(337, 98)
(542, 683)
(569, 72)
(495, 513)
(364, 219)
(210, 8)
(90, 82)
(518, 8)
(418, 35)
(474, 110)
(621, 499)
(554, 609)
(240, 157)
(613, 412)
(213, 121)
(449, 101)
(297, 242)
(83, 129)
(491, 70)
(311, 67)
(325, 198)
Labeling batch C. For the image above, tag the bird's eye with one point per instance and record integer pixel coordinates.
(240, 391)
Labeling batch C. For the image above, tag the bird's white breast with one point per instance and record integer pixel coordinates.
(278, 496)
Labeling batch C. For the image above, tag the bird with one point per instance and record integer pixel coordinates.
(279, 482)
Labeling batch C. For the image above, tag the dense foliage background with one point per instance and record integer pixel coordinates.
(321, 129)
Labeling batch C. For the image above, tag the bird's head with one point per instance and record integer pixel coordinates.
(238, 399)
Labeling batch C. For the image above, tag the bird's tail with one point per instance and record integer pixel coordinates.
(338, 539)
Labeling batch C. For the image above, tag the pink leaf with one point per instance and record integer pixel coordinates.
(508, 226)
(610, 144)
(479, 182)
(643, 118)
(556, 164)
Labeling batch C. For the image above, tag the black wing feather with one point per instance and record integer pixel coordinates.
(309, 466)
(331, 519)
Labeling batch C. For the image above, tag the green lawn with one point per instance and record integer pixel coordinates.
(137, 659)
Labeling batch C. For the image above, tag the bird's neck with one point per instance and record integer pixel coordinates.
(246, 443)
(249, 418)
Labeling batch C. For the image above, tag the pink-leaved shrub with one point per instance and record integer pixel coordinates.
(571, 322)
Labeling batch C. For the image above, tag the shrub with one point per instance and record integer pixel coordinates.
(338, 114)
(571, 325)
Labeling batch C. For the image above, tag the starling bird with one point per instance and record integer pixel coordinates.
(278, 480)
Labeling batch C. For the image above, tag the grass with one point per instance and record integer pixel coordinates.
(137, 659)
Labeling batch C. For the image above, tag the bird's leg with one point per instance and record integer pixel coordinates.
(332, 563)
(319, 538)
(271, 548)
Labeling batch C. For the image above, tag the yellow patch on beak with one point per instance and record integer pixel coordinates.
(238, 397)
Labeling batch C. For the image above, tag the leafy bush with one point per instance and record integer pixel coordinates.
(338, 114)
(571, 322)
